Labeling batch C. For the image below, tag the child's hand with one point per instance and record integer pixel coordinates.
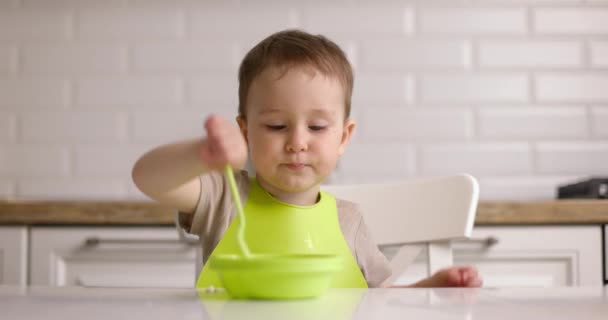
(466, 276)
(224, 145)
(457, 277)
(452, 277)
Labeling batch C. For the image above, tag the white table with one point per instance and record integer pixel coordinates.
(150, 304)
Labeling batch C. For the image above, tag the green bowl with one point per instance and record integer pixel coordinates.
(281, 276)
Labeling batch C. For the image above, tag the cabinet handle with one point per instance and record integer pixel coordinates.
(95, 241)
(486, 242)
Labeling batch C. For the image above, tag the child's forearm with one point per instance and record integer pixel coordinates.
(169, 173)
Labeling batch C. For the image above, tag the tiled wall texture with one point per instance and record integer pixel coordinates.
(514, 92)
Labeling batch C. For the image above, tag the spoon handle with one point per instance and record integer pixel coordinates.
(236, 197)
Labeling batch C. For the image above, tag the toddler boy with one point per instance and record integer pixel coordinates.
(294, 122)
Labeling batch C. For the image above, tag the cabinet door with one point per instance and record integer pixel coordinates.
(13, 255)
(540, 256)
(111, 257)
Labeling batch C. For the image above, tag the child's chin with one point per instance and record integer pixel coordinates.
(298, 185)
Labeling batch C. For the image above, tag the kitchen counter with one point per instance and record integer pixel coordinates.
(22, 212)
(65, 303)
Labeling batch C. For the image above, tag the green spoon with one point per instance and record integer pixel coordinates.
(239, 209)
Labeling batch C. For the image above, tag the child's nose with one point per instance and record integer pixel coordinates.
(297, 141)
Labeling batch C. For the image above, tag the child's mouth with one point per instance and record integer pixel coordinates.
(295, 166)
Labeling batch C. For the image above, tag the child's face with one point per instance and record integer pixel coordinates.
(295, 128)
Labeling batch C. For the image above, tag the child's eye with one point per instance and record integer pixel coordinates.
(275, 127)
(316, 128)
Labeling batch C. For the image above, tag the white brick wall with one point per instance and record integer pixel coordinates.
(116, 90)
(8, 124)
(73, 188)
(487, 159)
(498, 88)
(72, 59)
(388, 161)
(34, 161)
(531, 54)
(496, 21)
(375, 18)
(20, 91)
(166, 126)
(213, 90)
(514, 92)
(572, 20)
(373, 89)
(599, 121)
(33, 25)
(533, 122)
(248, 20)
(8, 59)
(415, 125)
(599, 53)
(103, 161)
(408, 54)
(584, 87)
(172, 57)
(137, 23)
(572, 158)
(522, 187)
(7, 189)
(73, 127)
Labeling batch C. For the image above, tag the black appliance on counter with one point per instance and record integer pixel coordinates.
(593, 188)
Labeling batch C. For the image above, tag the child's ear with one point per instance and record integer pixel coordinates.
(243, 126)
(347, 132)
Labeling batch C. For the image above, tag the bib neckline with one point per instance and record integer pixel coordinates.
(276, 201)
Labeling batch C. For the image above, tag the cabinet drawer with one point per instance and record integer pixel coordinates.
(13, 255)
(111, 257)
(539, 256)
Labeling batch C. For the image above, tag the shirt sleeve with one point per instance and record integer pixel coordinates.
(214, 210)
(374, 265)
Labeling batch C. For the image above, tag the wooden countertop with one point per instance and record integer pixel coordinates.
(21, 212)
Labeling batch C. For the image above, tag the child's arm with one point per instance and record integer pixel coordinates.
(169, 173)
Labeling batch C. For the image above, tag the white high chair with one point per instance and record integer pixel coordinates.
(415, 214)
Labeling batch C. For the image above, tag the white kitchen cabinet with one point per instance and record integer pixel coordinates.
(535, 256)
(13, 255)
(110, 257)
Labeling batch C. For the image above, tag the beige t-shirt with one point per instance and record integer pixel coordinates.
(215, 211)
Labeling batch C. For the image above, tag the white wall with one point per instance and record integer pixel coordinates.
(514, 92)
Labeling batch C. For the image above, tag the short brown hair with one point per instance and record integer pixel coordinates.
(295, 48)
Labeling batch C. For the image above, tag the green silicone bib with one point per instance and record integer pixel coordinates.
(275, 227)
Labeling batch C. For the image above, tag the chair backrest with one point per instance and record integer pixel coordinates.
(429, 211)
(417, 210)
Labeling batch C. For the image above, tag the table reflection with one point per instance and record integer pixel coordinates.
(336, 304)
(68, 303)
